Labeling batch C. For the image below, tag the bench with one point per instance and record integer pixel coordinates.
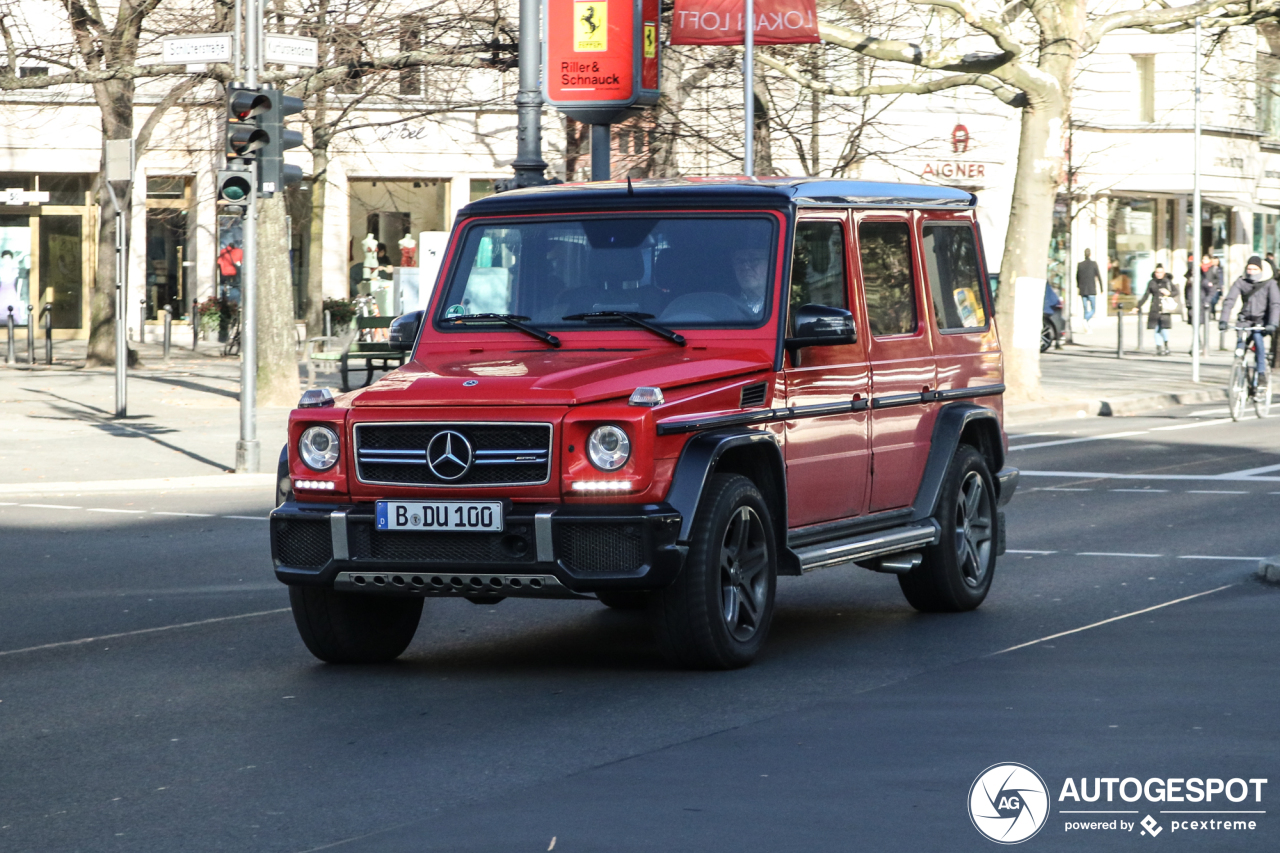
(325, 351)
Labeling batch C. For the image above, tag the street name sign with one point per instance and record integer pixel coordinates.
(292, 50)
(201, 49)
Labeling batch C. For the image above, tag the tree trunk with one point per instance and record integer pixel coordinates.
(763, 147)
(315, 253)
(115, 103)
(277, 336)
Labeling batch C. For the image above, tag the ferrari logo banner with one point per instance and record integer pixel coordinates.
(590, 26)
(720, 22)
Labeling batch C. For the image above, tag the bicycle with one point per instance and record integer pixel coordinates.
(1244, 381)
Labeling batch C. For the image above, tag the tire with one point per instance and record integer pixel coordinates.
(1237, 391)
(955, 574)
(1046, 336)
(717, 613)
(352, 627)
(624, 599)
(1262, 397)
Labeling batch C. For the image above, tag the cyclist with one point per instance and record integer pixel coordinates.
(1259, 306)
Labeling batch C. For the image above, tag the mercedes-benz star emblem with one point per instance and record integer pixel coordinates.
(449, 455)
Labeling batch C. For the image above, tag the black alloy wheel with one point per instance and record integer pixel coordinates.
(717, 613)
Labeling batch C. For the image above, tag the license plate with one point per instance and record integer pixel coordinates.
(439, 515)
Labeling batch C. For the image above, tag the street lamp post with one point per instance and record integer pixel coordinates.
(247, 448)
(1196, 272)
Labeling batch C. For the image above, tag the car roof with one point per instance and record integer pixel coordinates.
(727, 191)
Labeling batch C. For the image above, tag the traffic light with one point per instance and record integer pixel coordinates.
(234, 188)
(246, 135)
(273, 173)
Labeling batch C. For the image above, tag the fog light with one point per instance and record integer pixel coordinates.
(601, 486)
(315, 485)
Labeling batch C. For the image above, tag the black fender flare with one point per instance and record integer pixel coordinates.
(950, 425)
(284, 484)
(700, 458)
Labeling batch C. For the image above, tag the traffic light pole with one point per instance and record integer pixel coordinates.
(248, 451)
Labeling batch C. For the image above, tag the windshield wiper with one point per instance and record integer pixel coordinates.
(635, 318)
(515, 321)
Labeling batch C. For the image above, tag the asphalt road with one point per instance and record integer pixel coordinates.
(154, 695)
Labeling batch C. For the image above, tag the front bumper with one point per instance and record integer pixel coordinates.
(544, 551)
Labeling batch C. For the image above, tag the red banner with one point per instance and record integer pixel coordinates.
(720, 22)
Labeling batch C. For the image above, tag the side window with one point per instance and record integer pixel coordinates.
(955, 284)
(817, 267)
(885, 250)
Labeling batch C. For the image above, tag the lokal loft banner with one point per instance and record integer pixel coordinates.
(720, 22)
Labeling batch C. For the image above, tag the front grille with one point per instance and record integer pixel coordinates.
(502, 454)
(513, 546)
(600, 548)
(305, 542)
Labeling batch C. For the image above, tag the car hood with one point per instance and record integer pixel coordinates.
(551, 377)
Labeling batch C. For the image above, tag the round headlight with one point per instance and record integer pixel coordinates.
(318, 448)
(608, 448)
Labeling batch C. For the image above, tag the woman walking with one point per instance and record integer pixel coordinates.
(1164, 304)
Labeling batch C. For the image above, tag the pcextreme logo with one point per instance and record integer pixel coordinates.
(1008, 803)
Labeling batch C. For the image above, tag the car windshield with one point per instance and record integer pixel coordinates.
(686, 272)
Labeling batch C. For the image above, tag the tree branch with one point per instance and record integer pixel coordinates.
(909, 52)
(1010, 96)
(1173, 18)
(999, 33)
(143, 139)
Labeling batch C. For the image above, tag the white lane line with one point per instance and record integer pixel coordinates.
(7, 503)
(1014, 551)
(1199, 478)
(1141, 491)
(123, 511)
(1249, 472)
(1077, 440)
(1064, 489)
(1215, 492)
(1022, 435)
(50, 506)
(142, 631)
(1112, 554)
(186, 514)
(1192, 426)
(1218, 557)
(1208, 412)
(1112, 619)
(247, 517)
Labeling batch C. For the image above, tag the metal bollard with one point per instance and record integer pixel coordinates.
(31, 336)
(9, 357)
(168, 330)
(48, 333)
(1119, 331)
(328, 324)
(195, 324)
(1139, 327)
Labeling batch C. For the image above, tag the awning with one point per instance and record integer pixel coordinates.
(1242, 204)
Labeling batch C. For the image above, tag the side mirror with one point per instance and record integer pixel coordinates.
(822, 325)
(403, 333)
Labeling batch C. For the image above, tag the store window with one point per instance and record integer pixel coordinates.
(62, 268)
(387, 220)
(168, 245)
(1131, 247)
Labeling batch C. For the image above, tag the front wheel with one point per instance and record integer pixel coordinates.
(1238, 391)
(956, 573)
(346, 627)
(717, 613)
(1047, 335)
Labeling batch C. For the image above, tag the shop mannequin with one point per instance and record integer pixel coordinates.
(408, 251)
(370, 246)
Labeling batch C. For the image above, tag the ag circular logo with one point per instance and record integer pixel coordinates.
(449, 455)
(1008, 803)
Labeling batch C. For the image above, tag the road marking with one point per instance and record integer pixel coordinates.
(142, 631)
(186, 514)
(1103, 475)
(1208, 412)
(1249, 472)
(1095, 811)
(49, 506)
(1069, 489)
(1112, 619)
(1228, 811)
(1141, 491)
(1012, 551)
(1078, 440)
(1218, 557)
(1214, 492)
(124, 511)
(1112, 554)
(1193, 426)
(1022, 435)
(247, 517)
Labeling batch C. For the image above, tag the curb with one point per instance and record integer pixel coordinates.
(156, 484)
(1133, 404)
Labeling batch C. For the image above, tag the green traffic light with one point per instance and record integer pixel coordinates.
(234, 192)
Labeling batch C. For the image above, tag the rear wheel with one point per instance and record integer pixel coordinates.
(1262, 396)
(1238, 391)
(346, 627)
(1047, 335)
(717, 613)
(956, 573)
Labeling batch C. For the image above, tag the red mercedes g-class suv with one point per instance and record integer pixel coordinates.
(662, 395)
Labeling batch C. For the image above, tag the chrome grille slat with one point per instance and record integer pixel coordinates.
(504, 453)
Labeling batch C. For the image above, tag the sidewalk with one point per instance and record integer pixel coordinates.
(183, 420)
(1085, 378)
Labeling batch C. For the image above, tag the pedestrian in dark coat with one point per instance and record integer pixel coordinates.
(1088, 280)
(1164, 303)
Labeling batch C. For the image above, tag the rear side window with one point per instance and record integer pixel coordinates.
(955, 284)
(885, 251)
(817, 268)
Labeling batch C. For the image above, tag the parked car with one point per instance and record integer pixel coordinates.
(663, 395)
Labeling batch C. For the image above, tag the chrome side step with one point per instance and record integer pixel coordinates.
(867, 546)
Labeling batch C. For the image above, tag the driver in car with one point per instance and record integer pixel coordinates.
(751, 267)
